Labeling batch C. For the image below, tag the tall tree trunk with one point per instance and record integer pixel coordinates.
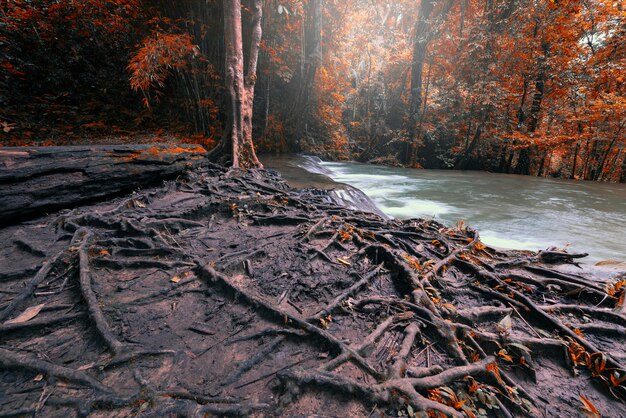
(600, 171)
(502, 162)
(509, 162)
(240, 87)
(542, 164)
(521, 113)
(535, 108)
(587, 158)
(312, 60)
(463, 162)
(610, 172)
(525, 155)
(420, 45)
(574, 162)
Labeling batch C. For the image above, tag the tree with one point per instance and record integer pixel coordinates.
(312, 60)
(236, 143)
(417, 64)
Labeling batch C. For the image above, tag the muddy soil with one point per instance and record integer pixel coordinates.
(227, 293)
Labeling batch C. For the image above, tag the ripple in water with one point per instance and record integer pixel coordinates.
(509, 211)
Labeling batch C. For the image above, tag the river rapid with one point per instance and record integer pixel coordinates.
(509, 211)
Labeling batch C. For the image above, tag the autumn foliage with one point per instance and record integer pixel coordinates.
(519, 87)
(158, 56)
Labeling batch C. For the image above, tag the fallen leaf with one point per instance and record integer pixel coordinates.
(505, 324)
(27, 315)
(86, 366)
(504, 355)
(38, 378)
(343, 261)
(589, 408)
(184, 275)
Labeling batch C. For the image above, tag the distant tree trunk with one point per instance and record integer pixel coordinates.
(462, 22)
(237, 142)
(502, 162)
(574, 162)
(535, 108)
(312, 61)
(420, 45)
(542, 164)
(521, 113)
(463, 162)
(600, 171)
(622, 177)
(612, 165)
(525, 155)
(587, 157)
(509, 162)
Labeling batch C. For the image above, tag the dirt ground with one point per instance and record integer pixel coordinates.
(228, 293)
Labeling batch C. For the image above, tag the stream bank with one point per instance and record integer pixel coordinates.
(226, 292)
(519, 212)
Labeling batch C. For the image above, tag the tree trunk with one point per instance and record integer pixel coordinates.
(240, 87)
(600, 172)
(420, 45)
(502, 163)
(611, 173)
(509, 162)
(574, 162)
(521, 113)
(535, 107)
(525, 155)
(622, 177)
(542, 164)
(38, 180)
(312, 61)
(462, 164)
(587, 157)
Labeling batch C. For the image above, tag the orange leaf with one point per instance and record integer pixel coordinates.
(504, 355)
(27, 315)
(589, 408)
(616, 381)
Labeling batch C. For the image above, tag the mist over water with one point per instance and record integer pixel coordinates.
(509, 211)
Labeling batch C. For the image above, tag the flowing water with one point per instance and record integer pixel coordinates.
(509, 211)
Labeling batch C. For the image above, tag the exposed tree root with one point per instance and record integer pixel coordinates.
(10, 360)
(300, 298)
(32, 285)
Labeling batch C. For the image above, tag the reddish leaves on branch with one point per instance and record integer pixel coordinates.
(157, 58)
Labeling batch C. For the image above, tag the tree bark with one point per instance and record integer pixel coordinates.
(542, 164)
(622, 178)
(574, 162)
(463, 162)
(312, 61)
(39, 180)
(600, 172)
(240, 86)
(420, 45)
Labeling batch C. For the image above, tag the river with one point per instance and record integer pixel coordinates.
(509, 211)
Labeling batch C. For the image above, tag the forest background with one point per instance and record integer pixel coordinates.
(524, 87)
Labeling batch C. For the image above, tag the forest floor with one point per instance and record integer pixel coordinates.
(229, 293)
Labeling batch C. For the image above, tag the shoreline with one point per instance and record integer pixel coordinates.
(293, 169)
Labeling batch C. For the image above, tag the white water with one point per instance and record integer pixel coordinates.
(509, 211)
